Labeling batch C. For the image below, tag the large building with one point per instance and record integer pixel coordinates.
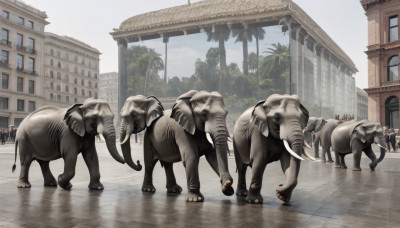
(362, 104)
(71, 70)
(21, 60)
(383, 61)
(108, 90)
(320, 71)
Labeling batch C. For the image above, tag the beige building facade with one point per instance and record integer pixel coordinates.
(383, 59)
(108, 90)
(21, 60)
(71, 70)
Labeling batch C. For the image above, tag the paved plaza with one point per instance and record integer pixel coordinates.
(324, 197)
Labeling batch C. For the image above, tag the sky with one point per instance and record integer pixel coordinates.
(91, 21)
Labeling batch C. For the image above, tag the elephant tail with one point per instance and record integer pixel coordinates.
(15, 161)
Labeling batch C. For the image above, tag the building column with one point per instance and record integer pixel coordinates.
(122, 76)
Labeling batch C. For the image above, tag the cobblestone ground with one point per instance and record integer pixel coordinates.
(324, 197)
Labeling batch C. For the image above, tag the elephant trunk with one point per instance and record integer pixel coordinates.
(109, 136)
(383, 149)
(219, 134)
(126, 147)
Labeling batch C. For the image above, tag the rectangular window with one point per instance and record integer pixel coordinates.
(4, 36)
(4, 81)
(20, 84)
(21, 20)
(31, 65)
(393, 28)
(4, 57)
(4, 122)
(20, 40)
(5, 14)
(31, 87)
(30, 24)
(17, 121)
(4, 103)
(20, 62)
(30, 46)
(31, 106)
(20, 105)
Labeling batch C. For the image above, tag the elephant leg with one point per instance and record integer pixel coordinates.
(342, 161)
(70, 158)
(26, 161)
(241, 168)
(338, 161)
(258, 167)
(49, 179)
(191, 164)
(92, 162)
(149, 163)
(291, 167)
(370, 153)
(357, 159)
(328, 153)
(172, 186)
(316, 148)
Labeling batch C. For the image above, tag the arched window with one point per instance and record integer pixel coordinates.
(51, 62)
(58, 75)
(76, 81)
(393, 68)
(90, 84)
(82, 82)
(67, 78)
(67, 88)
(392, 112)
(51, 74)
(51, 52)
(83, 92)
(58, 88)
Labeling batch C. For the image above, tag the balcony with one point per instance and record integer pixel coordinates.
(5, 42)
(27, 71)
(4, 64)
(390, 83)
(29, 50)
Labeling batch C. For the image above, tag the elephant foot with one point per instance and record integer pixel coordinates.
(24, 184)
(148, 188)
(96, 186)
(330, 161)
(194, 196)
(357, 169)
(285, 193)
(174, 189)
(62, 184)
(241, 192)
(227, 188)
(372, 166)
(50, 183)
(254, 196)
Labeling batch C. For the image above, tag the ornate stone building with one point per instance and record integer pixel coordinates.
(108, 90)
(21, 60)
(71, 70)
(320, 71)
(383, 61)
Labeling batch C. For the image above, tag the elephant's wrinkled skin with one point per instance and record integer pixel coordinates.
(180, 135)
(51, 133)
(356, 137)
(259, 138)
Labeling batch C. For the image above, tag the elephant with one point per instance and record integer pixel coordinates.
(180, 134)
(314, 125)
(355, 137)
(267, 132)
(50, 133)
(322, 132)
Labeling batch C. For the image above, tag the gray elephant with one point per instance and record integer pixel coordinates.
(355, 137)
(322, 134)
(268, 132)
(314, 125)
(51, 133)
(180, 135)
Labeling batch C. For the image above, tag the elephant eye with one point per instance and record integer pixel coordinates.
(204, 114)
(277, 117)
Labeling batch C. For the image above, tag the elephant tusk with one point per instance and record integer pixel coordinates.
(291, 151)
(380, 146)
(126, 139)
(306, 145)
(209, 139)
(308, 155)
(229, 139)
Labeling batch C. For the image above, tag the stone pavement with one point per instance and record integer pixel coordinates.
(324, 197)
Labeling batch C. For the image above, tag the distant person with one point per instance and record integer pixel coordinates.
(392, 139)
(387, 139)
(398, 140)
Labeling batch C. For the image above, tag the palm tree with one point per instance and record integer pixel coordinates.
(275, 66)
(220, 34)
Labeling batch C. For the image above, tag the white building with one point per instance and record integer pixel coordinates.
(108, 91)
(362, 104)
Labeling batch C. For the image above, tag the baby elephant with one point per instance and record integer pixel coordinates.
(355, 137)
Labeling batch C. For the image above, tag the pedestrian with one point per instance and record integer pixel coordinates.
(398, 140)
(392, 139)
(387, 141)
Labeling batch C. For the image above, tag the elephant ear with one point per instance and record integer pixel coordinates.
(304, 117)
(360, 133)
(259, 118)
(74, 119)
(319, 124)
(154, 110)
(182, 112)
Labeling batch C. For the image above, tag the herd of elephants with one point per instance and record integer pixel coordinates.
(273, 129)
